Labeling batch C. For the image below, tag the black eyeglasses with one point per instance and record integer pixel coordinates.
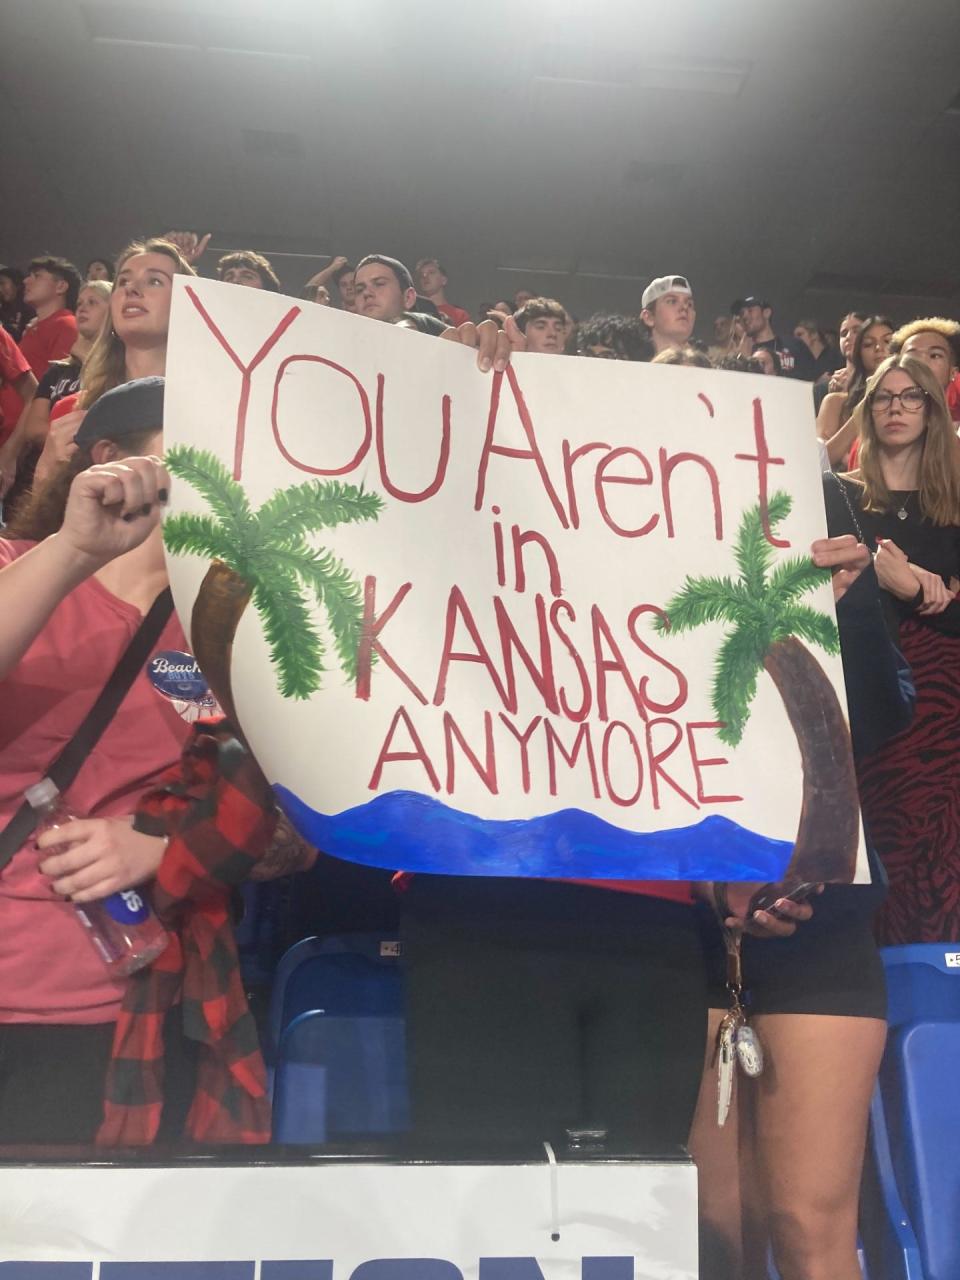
(912, 399)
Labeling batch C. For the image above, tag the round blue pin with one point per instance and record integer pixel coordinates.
(177, 676)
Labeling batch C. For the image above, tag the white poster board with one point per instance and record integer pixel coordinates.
(557, 621)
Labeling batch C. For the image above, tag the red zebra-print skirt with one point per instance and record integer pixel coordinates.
(910, 792)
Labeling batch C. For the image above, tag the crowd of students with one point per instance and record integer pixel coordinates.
(619, 978)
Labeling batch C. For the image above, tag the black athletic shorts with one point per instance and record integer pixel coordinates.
(829, 966)
(533, 1006)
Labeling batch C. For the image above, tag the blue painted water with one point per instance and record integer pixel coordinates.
(403, 829)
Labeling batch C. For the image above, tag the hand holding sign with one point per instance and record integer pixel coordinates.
(494, 346)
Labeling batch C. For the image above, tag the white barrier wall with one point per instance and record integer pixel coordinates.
(343, 1221)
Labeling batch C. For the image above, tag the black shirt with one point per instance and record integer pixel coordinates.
(827, 362)
(61, 379)
(795, 358)
(935, 548)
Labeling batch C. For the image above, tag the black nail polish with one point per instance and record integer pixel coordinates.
(161, 495)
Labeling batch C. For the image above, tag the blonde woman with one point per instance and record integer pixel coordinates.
(131, 344)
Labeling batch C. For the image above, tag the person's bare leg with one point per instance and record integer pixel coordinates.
(811, 1106)
(714, 1151)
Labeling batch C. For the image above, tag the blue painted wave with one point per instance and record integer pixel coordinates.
(403, 829)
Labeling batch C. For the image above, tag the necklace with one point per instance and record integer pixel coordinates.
(902, 512)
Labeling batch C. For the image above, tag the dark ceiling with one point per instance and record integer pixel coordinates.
(809, 151)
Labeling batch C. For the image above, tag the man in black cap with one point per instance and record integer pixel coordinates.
(755, 315)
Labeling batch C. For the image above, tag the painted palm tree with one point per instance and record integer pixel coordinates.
(769, 625)
(263, 556)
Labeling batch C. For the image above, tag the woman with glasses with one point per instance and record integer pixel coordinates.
(869, 346)
(904, 503)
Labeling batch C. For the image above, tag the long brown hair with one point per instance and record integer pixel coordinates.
(106, 365)
(40, 513)
(939, 480)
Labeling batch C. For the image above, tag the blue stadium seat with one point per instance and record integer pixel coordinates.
(336, 1032)
(349, 974)
(915, 1116)
(339, 1076)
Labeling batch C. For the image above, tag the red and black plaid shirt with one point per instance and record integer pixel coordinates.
(220, 814)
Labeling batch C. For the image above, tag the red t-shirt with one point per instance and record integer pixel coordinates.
(49, 339)
(49, 971)
(672, 890)
(64, 406)
(456, 315)
(13, 365)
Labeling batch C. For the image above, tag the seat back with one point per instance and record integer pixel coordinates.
(926, 1056)
(916, 1109)
(923, 983)
(350, 975)
(340, 1076)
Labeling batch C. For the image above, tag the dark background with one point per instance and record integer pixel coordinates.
(807, 151)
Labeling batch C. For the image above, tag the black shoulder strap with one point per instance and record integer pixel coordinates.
(67, 765)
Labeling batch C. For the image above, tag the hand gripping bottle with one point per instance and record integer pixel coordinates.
(123, 928)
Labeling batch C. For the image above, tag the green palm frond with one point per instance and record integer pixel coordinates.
(739, 662)
(199, 536)
(315, 505)
(343, 600)
(702, 600)
(800, 620)
(752, 551)
(334, 587)
(793, 578)
(211, 479)
(295, 648)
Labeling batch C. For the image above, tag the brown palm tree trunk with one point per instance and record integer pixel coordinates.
(828, 834)
(217, 610)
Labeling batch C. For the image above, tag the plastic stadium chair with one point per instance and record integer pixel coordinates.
(337, 1039)
(915, 1115)
(340, 1076)
(349, 974)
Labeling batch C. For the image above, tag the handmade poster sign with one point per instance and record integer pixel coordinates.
(559, 621)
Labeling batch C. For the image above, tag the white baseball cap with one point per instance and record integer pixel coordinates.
(662, 285)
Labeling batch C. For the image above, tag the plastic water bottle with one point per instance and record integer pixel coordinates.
(123, 928)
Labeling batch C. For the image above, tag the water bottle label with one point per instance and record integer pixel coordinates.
(127, 907)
